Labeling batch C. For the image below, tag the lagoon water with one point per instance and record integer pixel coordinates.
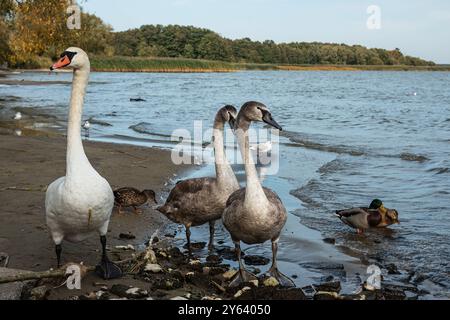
(349, 137)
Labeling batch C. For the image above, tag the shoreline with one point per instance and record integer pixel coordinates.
(236, 67)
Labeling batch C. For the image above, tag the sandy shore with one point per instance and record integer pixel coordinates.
(29, 164)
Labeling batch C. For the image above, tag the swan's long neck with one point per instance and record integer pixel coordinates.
(76, 158)
(224, 173)
(254, 192)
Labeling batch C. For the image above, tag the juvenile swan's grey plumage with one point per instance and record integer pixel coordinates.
(254, 214)
(194, 202)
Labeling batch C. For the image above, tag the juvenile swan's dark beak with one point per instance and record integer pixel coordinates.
(267, 118)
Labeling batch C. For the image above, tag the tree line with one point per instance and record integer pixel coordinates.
(32, 29)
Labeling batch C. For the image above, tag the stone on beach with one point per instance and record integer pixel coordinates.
(13, 290)
(271, 282)
(124, 291)
(153, 268)
(256, 260)
(229, 274)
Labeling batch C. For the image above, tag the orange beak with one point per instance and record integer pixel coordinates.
(61, 63)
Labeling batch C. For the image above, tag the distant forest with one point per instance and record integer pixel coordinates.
(34, 30)
(197, 43)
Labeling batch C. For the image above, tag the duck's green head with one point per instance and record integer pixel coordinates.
(376, 204)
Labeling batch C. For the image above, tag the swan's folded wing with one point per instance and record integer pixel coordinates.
(239, 194)
(188, 188)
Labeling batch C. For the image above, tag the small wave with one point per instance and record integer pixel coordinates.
(99, 122)
(141, 127)
(36, 112)
(331, 166)
(303, 194)
(413, 157)
(439, 170)
(10, 99)
(145, 127)
(306, 143)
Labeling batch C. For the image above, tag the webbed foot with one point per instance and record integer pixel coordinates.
(108, 270)
(282, 279)
(242, 276)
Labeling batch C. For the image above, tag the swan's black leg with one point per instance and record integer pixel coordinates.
(242, 275)
(273, 271)
(188, 238)
(107, 269)
(211, 234)
(58, 250)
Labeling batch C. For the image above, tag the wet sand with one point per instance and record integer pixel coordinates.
(29, 164)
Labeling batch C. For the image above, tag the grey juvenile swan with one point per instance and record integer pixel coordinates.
(254, 214)
(194, 202)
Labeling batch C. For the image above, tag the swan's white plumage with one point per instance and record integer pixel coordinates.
(79, 204)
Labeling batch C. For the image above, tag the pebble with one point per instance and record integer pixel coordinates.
(323, 295)
(152, 267)
(229, 274)
(271, 282)
(124, 291)
(332, 286)
(128, 236)
(150, 256)
(254, 282)
(129, 247)
(329, 240)
(392, 269)
(241, 292)
(214, 259)
(40, 293)
(256, 260)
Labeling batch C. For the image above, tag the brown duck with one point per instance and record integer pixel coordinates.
(131, 197)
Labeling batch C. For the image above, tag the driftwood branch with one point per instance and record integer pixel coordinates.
(24, 276)
(49, 274)
(136, 263)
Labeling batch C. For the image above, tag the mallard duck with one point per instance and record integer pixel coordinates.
(375, 216)
(131, 197)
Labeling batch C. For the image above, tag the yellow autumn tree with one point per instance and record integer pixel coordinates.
(40, 30)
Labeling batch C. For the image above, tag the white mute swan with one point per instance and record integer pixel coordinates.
(254, 214)
(194, 202)
(79, 204)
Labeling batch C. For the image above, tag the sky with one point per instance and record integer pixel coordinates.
(418, 27)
